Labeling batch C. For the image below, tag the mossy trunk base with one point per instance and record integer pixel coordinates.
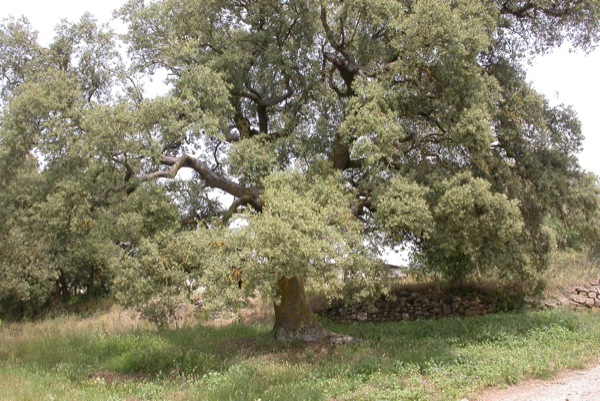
(294, 320)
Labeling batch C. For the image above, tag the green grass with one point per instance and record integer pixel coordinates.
(71, 359)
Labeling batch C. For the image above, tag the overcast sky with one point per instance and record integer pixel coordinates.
(569, 78)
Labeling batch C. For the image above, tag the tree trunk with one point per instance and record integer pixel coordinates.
(63, 287)
(91, 284)
(294, 319)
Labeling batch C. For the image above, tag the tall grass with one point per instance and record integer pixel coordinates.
(113, 356)
(569, 270)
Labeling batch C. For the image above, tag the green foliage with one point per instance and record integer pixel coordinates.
(142, 214)
(392, 123)
(475, 229)
(307, 229)
(151, 280)
(578, 230)
(403, 210)
(252, 159)
(18, 52)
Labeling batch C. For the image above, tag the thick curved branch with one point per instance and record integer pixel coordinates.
(342, 61)
(128, 169)
(340, 156)
(235, 205)
(347, 75)
(269, 101)
(249, 95)
(211, 178)
(331, 39)
(530, 9)
(519, 12)
(275, 100)
(264, 103)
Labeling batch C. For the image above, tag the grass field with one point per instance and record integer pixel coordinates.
(112, 356)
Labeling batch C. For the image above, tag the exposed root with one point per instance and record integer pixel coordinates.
(339, 339)
(313, 334)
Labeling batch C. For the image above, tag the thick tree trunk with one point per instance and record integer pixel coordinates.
(294, 319)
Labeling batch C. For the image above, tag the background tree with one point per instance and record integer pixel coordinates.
(63, 216)
(329, 128)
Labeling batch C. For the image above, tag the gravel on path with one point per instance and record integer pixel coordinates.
(570, 386)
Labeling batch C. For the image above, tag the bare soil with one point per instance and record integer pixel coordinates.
(569, 386)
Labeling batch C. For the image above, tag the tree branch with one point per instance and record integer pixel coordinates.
(345, 64)
(235, 205)
(211, 178)
(270, 101)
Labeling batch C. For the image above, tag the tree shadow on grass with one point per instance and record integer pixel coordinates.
(250, 353)
(201, 350)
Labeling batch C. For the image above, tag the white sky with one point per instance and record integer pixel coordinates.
(569, 78)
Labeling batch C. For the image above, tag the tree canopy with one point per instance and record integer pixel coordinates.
(316, 132)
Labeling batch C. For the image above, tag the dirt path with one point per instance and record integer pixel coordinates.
(571, 386)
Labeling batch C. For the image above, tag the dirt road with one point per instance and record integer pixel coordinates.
(572, 386)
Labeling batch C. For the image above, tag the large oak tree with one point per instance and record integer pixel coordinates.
(316, 132)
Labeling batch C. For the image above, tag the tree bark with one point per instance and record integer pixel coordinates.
(294, 319)
(91, 284)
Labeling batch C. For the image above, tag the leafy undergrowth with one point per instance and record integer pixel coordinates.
(71, 359)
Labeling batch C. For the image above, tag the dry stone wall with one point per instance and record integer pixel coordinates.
(410, 305)
(581, 298)
(435, 303)
(586, 297)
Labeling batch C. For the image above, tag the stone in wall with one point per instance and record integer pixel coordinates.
(431, 303)
(409, 305)
(583, 297)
